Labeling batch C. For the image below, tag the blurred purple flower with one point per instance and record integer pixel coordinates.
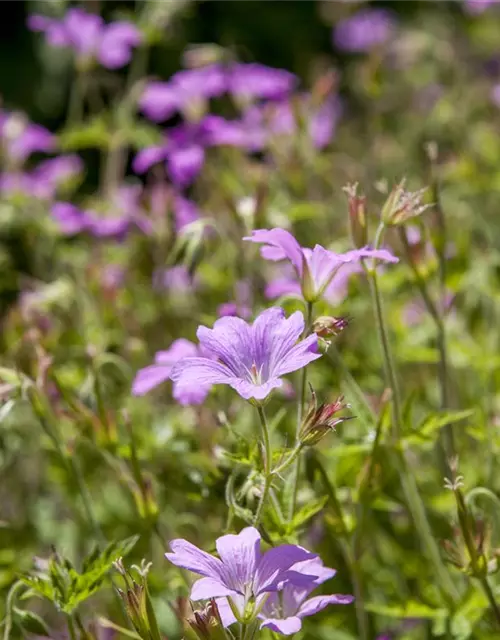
(160, 100)
(283, 612)
(241, 572)
(495, 95)
(241, 306)
(364, 30)
(20, 138)
(89, 36)
(478, 6)
(185, 212)
(175, 279)
(249, 81)
(44, 181)
(245, 133)
(316, 267)
(250, 358)
(153, 375)
(71, 219)
(323, 122)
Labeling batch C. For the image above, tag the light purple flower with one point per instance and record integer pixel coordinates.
(160, 100)
(175, 279)
(71, 219)
(241, 306)
(241, 572)
(495, 95)
(316, 267)
(323, 122)
(153, 375)
(185, 212)
(283, 612)
(249, 358)
(478, 6)
(364, 30)
(20, 138)
(89, 36)
(249, 81)
(245, 133)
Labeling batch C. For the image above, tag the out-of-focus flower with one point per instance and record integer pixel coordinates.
(364, 30)
(153, 375)
(185, 212)
(241, 572)
(478, 6)
(124, 200)
(19, 138)
(250, 81)
(495, 95)
(90, 37)
(241, 306)
(250, 358)
(415, 311)
(174, 279)
(316, 267)
(245, 133)
(160, 100)
(283, 611)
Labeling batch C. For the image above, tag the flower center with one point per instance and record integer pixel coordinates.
(255, 374)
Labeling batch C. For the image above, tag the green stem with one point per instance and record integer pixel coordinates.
(71, 627)
(408, 482)
(267, 460)
(286, 463)
(491, 597)
(300, 411)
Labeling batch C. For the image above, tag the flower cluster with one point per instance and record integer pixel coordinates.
(247, 584)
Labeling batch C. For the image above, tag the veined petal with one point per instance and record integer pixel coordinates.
(274, 563)
(201, 370)
(240, 555)
(226, 613)
(366, 252)
(281, 287)
(187, 395)
(248, 389)
(180, 348)
(301, 355)
(188, 556)
(207, 588)
(313, 605)
(282, 240)
(284, 339)
(230, 341)
(285, 626)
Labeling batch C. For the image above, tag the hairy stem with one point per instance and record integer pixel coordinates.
(300, 411)
(267, 460)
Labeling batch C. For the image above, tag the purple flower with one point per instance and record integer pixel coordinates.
(478, 6)
(241, 572)
(249, 358)
(241, 306)
(323, 123)
(364, 30)
(160, 100)
(89, 37)
(495, 95)
(71, 219)
(283, 612)
(175, 279)
(316, 267)
(245, 133)
(44, 181)
(20, 138)
(249, 81)
(185, 212)
(153, 375)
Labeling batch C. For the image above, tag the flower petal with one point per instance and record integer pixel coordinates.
(202, 370)
(230, 340)
(207, 588)
(147, 157)
(313, 605)
(187, 556)
(249, 390)
(148, 378)
(285, 626)
(284, 242)
(274, 563)
(301, 355)
(240, 555)
(226, 613)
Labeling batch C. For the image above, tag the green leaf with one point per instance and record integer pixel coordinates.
(93, 134)
(433, 423)
(31, 622)
(411, 609)
(308, 511)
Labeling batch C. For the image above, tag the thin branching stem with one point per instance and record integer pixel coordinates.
(267, 461)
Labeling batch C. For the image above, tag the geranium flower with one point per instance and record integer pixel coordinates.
(283, 612)
(241, 572)
(153, 375)
(250, 358)
(90, 37)
(316, 267)
(364, 30)
(20, 138)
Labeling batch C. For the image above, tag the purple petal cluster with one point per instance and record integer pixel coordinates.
(125, 200)
(364, 30)
(20, 138)
(44, 181)
(315, 268)
(249, 358)
(90, 37)
(275, 585)
(153, 375)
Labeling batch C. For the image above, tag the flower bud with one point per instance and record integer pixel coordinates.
(329, 326)
(321, 420)
(401, 205)
(357, 216)
(206, 624)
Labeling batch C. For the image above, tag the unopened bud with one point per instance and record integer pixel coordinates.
(206, 623)
(401, 205)
(321, 420)
(329, 326)
(357, 216)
